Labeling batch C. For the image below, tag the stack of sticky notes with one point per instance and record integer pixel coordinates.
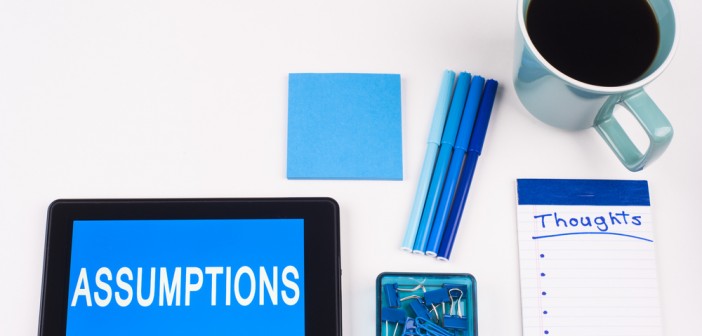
(344, 126)
(455, 142)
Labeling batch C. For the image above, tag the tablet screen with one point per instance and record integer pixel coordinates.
(187, 276)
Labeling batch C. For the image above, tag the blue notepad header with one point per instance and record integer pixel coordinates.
(582, 192)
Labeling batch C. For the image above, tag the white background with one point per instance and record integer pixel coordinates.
(179, 98)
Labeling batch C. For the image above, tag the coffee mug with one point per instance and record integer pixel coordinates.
(572, 67)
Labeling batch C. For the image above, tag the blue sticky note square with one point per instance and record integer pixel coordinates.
(344, 126)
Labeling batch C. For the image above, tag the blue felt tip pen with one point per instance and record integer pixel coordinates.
(448, 138)
(475, 147)
(455, 165)
(437, 127)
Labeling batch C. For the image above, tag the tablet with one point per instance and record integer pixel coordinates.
(192, 267)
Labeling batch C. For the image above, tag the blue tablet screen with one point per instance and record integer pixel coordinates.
(187, 277)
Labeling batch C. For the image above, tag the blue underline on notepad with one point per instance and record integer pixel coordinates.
(597, 233)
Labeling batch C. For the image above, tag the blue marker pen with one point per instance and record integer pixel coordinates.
(437, 127)
(448, 138)
(454, 170)
(475, 147)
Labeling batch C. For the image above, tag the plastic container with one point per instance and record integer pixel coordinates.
(433, 304)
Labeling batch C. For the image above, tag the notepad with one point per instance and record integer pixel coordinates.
(344, 126)
(587, 258)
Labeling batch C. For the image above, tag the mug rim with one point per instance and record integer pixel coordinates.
(521, 21)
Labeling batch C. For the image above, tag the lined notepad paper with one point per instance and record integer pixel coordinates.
(587, 258)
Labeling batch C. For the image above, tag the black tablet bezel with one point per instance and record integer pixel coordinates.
(322, 247)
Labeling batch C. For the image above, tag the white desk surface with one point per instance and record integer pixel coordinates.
(189, 99)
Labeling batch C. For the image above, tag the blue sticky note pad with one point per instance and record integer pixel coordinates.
(344, 126)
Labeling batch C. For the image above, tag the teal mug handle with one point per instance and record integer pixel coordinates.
(649, 116)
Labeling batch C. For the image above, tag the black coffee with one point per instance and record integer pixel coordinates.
(600, 42)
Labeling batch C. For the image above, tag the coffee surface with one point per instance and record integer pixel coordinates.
(600, 42)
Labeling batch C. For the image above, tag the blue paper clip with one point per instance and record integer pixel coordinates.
(395, 315)
(434, 297)
(429, 328)
(452, 289)
(419, 309)
(410, 328)
(455, 322)
(392, 295)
